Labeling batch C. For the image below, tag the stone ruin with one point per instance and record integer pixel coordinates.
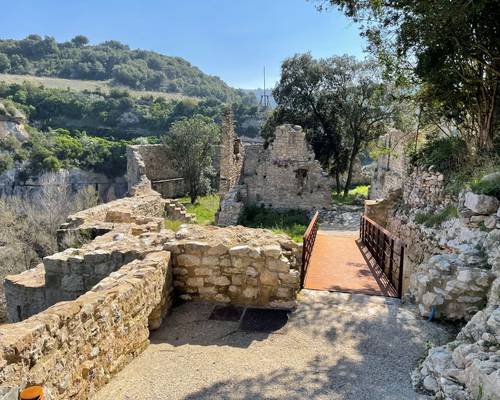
(451, 271)
(86, 311)
(283, 176)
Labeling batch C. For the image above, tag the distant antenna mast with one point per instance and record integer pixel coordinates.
(264, 98)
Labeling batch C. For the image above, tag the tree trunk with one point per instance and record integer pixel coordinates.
(337, 181)
(352, 159)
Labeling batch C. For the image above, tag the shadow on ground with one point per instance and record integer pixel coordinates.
(334, 346)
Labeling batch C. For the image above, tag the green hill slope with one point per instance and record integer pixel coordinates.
(114, 62)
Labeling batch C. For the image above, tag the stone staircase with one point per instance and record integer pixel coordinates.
(176, 211)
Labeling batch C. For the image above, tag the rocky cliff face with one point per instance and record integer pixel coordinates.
(76, 179)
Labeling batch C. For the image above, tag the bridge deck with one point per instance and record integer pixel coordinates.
(338, 263)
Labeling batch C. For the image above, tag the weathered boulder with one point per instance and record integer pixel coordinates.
(481, 204)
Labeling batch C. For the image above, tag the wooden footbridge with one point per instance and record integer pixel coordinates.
(368, 263)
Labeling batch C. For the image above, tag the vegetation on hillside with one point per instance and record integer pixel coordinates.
(114, 61)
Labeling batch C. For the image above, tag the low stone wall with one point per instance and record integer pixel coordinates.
(130, 269)
(235, 265)
(73, 348)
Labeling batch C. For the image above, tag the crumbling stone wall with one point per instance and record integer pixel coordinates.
(231, 154)
(235, 265)
(73, 348)
(391, 166)
(149, 167)
(288, 176)
(283, 176)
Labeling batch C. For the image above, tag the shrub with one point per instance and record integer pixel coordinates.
(446, 154)
(435, 219)
(489, 186)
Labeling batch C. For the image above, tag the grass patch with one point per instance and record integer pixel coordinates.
(432, 220)
(204, 209)
(293, 222)
(355, 196)
(173, 225)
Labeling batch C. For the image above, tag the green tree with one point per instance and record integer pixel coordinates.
(190, 145)
(4, 63)
(80, 41)
(339, 101)
(451, 48)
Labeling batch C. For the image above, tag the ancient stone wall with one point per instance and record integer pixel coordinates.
(235, 265)
(283, 176)
(424, 189)
(149, 162)
(110, 291)
(231, 155)
(391, 165)
(288, 176)
(73, 348)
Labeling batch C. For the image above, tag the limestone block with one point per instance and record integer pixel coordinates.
(238, 279)
(196, 282)
(210, 290)
(279, 265)
(222, 298)
(250, 292)
(188, 260)
(203, 271)
(197, 248)
(291, 278)
(269, 278)
(245, 251)
(252, 272)
(481, 204)
(217, 250)
(218, 280)
(209, 260)
(72, 283)
(490, 222)
(272, 251)
(283, 292)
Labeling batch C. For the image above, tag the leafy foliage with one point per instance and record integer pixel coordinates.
(356, 195)
(190, 145)
(341, 103)
(489, 187)
(293, 222)
(450, 49)
(446, 154)
(113, 115)
(137, 69)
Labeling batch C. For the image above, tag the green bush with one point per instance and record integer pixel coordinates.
(445, 154)
(6, 162)
(435, 219)
(490, 187)
(293, 222)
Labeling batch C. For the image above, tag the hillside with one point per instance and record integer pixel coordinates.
(111, 61)
(80, 85)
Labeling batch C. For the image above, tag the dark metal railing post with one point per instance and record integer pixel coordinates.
(377, 239)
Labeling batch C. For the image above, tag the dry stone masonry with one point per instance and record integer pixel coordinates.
(283, 176)
(452, 271)
(86, 311)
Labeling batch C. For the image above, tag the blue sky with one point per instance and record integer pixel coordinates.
(232, 39)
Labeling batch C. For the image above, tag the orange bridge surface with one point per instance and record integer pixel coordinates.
(340, 263)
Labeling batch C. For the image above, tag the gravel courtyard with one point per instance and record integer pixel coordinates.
(334, 346)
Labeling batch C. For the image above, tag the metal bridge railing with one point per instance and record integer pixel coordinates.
(308, 241)
(386, 249)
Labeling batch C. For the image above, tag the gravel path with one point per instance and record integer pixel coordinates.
(334, 346)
